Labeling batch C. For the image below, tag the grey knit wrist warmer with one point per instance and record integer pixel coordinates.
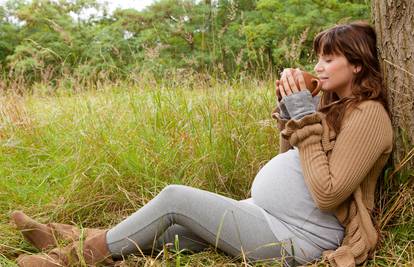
(284, 114)
(299, 104)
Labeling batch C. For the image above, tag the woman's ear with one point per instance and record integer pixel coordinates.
(357, 69)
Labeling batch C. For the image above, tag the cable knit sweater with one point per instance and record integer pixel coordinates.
(341, 171)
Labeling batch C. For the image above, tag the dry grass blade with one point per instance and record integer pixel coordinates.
(13, 112)
(399, 258)
(404, 161)
(400, 68)
(402, 195)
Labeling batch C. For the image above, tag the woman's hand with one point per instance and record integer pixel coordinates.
(287, 86)
(295, 101)
(286, 81)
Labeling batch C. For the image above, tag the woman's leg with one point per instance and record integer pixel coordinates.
(186, 239)
(233, 226)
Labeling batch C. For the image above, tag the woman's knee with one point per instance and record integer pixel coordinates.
(174, 191)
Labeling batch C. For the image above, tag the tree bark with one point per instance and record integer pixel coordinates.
(394, 24)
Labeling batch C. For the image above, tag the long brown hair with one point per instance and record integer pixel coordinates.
(357, 42)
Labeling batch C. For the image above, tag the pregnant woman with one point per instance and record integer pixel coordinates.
(313, 200)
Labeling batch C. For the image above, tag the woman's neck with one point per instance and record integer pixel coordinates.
(346, 92)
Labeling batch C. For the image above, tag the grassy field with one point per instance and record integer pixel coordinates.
(93, 158)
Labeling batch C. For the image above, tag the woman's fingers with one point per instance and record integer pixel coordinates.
(301, 80)
(291, 81)
(282, 91)
(278, 95)
(287, 83)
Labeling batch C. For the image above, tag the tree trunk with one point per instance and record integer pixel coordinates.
(394, 24)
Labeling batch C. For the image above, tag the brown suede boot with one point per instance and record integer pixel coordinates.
(39, 260)
(44, 236)
(94, 250)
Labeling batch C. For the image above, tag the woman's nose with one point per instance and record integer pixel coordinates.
(318, 67)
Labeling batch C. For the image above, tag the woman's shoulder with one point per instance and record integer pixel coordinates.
(370, 112)
(367, 107)
(371, 104)
(373, 118)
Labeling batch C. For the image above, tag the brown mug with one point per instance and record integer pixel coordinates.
(313, 84)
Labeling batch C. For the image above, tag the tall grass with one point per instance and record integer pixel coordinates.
(93, 158)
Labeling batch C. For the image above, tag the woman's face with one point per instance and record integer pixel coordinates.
(336, 74)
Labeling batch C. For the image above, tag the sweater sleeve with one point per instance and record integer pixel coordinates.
(358, 146)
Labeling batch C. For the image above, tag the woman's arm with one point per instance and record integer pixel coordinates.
(282, 116)
(365, 135)
(296, 104)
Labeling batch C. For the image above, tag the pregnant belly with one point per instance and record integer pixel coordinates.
(280, 189)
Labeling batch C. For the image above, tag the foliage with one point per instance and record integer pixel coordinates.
(45, 41)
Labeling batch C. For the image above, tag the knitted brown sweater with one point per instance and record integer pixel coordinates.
(341, 171)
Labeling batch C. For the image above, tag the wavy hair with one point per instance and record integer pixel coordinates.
(357, 42)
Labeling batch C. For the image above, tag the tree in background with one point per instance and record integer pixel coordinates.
(49, 40)
(50, 43)
(394, 25)
(9, 32)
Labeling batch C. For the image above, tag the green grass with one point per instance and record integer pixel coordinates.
(95, 157)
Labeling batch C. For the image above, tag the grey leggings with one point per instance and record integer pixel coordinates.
(200, 219)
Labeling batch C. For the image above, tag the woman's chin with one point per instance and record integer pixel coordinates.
(325, 90)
